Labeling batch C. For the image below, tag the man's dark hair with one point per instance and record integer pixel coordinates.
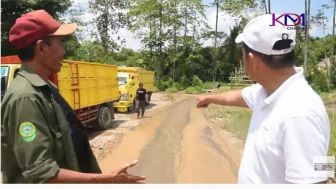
(273, 61)
(27, 53)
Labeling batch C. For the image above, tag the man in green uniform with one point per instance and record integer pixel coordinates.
(41, 138)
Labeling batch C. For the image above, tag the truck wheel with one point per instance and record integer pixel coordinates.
(104, 118)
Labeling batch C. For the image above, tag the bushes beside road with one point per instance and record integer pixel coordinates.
(192, 85)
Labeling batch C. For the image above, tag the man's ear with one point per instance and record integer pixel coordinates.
(40, 47)
(250, 55)
(255, 60)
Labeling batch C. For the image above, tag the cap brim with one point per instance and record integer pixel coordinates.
(239, 38)
(65, 29)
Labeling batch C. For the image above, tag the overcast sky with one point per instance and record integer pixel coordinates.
(225, 22)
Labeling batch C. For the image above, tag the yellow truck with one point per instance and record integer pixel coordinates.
(128, 80)
(90, 88)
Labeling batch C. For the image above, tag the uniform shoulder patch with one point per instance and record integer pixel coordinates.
(27, 131)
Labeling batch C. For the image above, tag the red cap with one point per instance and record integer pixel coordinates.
(37, 25)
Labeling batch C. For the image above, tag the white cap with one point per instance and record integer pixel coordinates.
(261, 37)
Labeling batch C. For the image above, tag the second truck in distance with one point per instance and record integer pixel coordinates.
(128, 80)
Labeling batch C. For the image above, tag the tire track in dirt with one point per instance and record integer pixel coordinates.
(178, 144)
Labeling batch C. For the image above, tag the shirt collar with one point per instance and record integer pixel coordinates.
(297, 76)
(32, 77)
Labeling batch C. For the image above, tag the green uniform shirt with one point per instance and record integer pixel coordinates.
(35, 133)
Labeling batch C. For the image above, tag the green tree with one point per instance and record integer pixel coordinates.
(109, 18)
(321, 19)
(193, 21)
(148, 18)
(177, 23)
(215, 56)
(229, 54)
(193, 26)
(319, 48)
(234, 7)
(92, 52)
(165, 26)
(13, 9)
(333, 65)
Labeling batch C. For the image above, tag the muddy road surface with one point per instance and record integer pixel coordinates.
(174, 143)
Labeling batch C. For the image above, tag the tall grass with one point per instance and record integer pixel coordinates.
(332, 146)
(233, 119)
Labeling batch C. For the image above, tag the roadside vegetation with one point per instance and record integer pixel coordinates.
(233, 119)
(332, 149)
(329, 99)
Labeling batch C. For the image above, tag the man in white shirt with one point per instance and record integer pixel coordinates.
(289, 127)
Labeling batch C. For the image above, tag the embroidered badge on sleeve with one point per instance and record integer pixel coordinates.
(27, 131)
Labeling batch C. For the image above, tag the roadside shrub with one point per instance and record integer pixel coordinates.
(171, 90)
(165, 83)
(332, 146)
(155, 89)
(184, 82)
(196, 81)
(319, 80)
(333, 76)
(210, 85)
(178, 86)
(194, 90)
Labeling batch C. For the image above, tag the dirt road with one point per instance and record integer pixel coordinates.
(175, 143)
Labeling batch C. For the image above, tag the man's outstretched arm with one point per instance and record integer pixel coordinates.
(230, 98)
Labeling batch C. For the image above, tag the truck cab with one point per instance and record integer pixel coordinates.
(10, 66)
(128, 84)
(128, 80)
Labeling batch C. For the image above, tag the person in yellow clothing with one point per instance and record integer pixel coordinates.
(42, 141)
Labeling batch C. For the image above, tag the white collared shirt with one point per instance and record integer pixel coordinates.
(287, 130)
